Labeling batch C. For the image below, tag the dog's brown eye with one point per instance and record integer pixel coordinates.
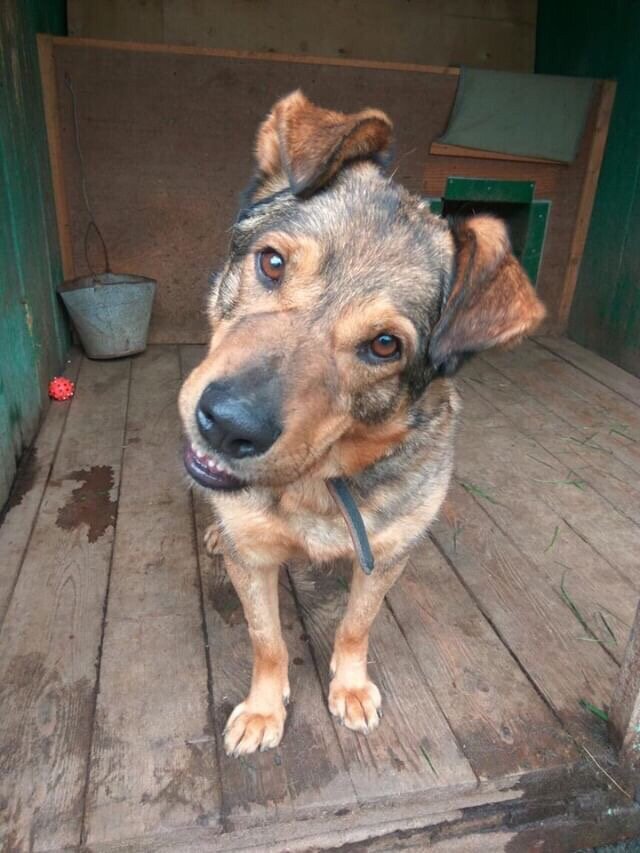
(270, 266)
(385, 346)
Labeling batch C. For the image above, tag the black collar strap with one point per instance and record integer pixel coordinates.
(344, 500)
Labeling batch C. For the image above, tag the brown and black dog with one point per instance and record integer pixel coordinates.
(343, 306)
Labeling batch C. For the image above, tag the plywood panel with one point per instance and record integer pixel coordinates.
(167, 138)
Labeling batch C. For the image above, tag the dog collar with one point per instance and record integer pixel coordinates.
(339, 491)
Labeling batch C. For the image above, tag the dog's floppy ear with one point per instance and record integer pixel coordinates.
(308, 145)
(491, 300)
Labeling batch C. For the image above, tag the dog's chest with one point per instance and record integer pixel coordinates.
(303, 522)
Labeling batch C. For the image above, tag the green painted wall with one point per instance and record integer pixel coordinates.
(600, 39)
(33, 336)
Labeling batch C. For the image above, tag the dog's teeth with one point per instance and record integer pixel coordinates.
(208, 462)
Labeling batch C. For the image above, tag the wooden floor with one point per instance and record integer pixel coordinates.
(123, 647)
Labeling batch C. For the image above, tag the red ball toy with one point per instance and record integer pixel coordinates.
(61, 388)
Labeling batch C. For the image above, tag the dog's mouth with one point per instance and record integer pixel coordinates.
(209, 472)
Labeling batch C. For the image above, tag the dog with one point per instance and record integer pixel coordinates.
(320, 424)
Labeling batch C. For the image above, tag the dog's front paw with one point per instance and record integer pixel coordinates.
(357, 707)
(246, 730)
(212, 544)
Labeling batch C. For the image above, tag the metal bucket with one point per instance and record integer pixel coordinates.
(110, 312)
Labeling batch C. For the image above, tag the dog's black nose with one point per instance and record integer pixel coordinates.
(237, 425)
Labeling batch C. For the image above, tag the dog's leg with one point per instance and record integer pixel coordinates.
(353, 698)
(258, 722)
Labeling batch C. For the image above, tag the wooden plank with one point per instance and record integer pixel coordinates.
(576, 829)
(589, 453)
(591, 408)
(153, 764)
(476, 33)
(51, 114)
(131, 21)
(296, 58)
(587, 197)
(532, 807)
(596, 416)
(550, 180)
(529, 616)
(624, 714)
(582, 452)
(502, 723)
(331, 832)
(446, 150)
(275, 785)
(569, 824)
(50, 637)
(28, 488)
(614, 377)
(413, 753)
(533, 497)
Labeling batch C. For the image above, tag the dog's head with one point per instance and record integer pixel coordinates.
(341, 300)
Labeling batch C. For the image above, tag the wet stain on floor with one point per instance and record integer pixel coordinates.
(90, 503)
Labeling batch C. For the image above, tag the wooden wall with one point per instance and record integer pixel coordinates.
(33, 337)
(601, 39)
(167, 136)
(482, 33)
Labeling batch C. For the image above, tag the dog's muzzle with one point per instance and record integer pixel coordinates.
(239, 419)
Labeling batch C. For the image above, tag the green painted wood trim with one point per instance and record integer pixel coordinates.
(596, 39)
(436, 205)
(480, 189)
(536, 234)
(33, 332)
(538, 218)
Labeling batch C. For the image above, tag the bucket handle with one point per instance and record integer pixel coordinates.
(85, 195)
(107, 267)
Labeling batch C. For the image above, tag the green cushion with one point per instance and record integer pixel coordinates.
(535, 115)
